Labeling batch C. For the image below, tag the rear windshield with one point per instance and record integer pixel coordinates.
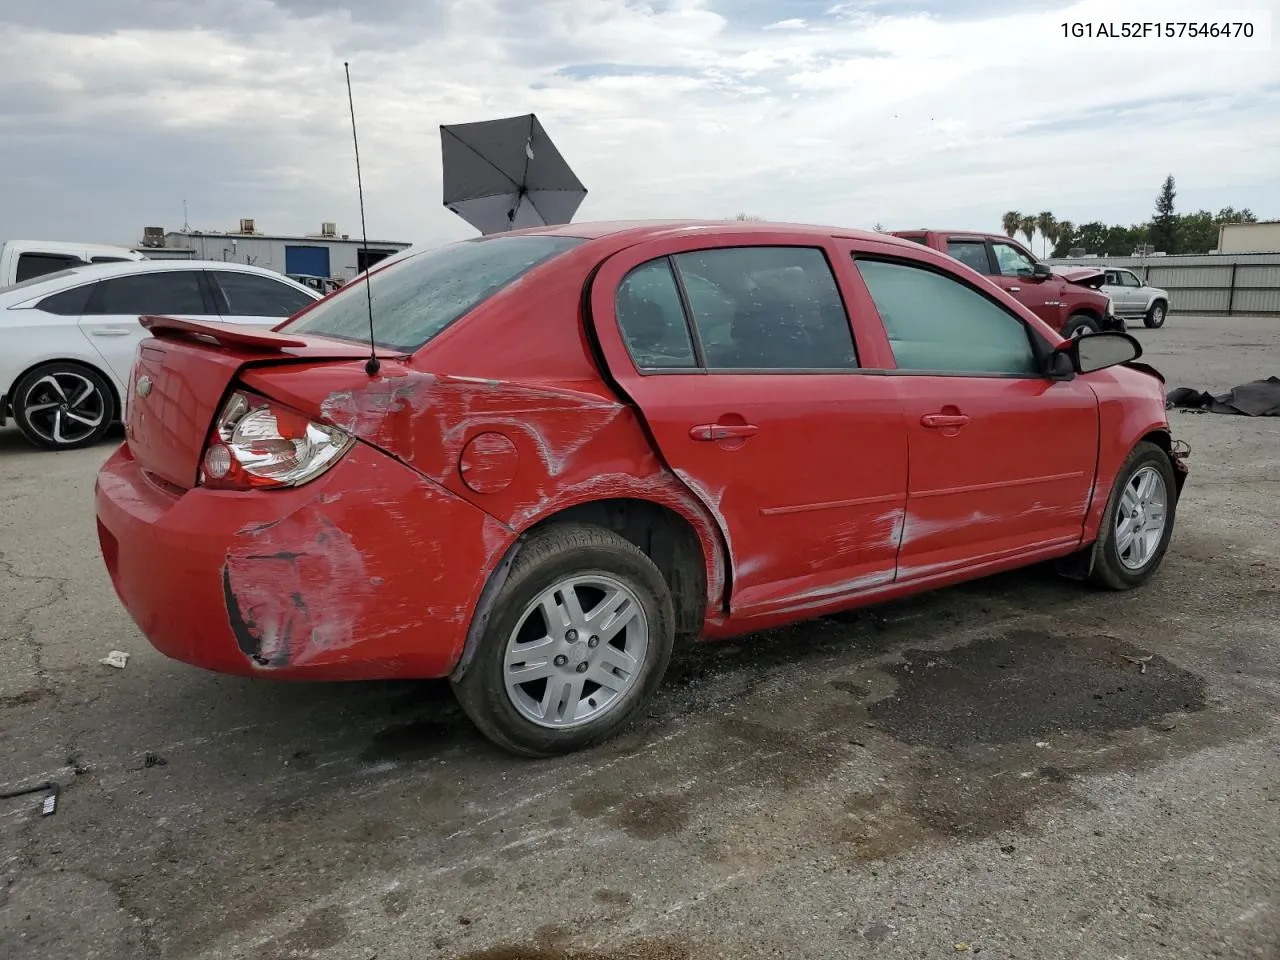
(417, 297)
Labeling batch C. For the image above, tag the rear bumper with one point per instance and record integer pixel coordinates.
(369, 572)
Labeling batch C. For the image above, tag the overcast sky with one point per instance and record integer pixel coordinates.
(906, 112)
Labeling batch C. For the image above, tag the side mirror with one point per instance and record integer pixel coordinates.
(1041, 271)
(1097, 351)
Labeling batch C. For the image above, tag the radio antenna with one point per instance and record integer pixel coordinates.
(372, 365)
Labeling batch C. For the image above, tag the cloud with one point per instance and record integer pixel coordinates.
(905, 112)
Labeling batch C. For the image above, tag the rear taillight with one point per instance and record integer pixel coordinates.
(258, 443)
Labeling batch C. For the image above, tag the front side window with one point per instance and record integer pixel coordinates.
(250, 295)
(767, 308)
(418, 296)
(1129, 280)
(972, 253)
(163, 292)
(1012, 261)
(936, 323)
(651, 318)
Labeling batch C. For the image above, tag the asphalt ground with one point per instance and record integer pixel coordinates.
(1021, 767)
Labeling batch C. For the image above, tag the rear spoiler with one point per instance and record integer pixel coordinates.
(235, 336)
(222, 334)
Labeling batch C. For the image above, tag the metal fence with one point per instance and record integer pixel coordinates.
(1226, 284)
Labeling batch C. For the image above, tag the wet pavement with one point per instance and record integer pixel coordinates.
(1021, 767)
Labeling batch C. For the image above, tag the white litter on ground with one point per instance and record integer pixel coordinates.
(116, 658)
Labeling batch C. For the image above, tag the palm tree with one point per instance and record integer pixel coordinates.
(1048, 227)
(1027, 227)
(1066, 233)
(1011, 221)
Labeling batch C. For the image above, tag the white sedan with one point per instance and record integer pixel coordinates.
(67, 339)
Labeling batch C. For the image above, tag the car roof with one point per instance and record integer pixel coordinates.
(641, 230)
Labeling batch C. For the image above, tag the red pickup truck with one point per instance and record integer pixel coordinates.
(1069, 301)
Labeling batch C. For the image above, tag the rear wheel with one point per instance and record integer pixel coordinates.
(579, 640)
(1138, 521)
(1079, 324)
(1155, 315)
(63, 406)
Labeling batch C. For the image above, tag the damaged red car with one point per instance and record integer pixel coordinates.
(535, 462)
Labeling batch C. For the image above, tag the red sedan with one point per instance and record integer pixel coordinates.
(573, 447)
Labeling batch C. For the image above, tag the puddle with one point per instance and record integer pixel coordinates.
(1028, 685)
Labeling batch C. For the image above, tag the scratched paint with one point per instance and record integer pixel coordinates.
(294, 589)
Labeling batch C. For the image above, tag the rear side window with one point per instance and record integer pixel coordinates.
(250, 295)
(972, 253)
(32, 265)
(767, 308)
(652, 318)
(166, 292)
(68, 303)
(416, 298)
(936, 323)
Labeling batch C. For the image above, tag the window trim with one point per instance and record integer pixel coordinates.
(700, 367)
(201, 281)
(1040, 348)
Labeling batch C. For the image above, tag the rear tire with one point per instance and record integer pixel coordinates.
(534, 687)
(1079, 324)
(1130, 548)
(1156, 314)
(63, 406)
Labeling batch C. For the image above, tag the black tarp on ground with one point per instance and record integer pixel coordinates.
(506, 175)
(1258, 398)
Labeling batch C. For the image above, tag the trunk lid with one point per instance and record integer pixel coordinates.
(180, 378)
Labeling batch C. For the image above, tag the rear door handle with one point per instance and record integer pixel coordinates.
(723, 431)
(1015, 289)
(110, 331)
(939, 420)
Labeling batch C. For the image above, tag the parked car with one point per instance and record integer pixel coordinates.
(1069, 301)
(67, 339)
(26, 259)
(1134, 299)
(567, 448)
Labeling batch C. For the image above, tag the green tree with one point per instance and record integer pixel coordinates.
(1231, 215)
(1093, 237)
(1164, 225)
(1047, 224)
(1028, 228)
(1011, 222)
(1197, 232)
(1065, 239)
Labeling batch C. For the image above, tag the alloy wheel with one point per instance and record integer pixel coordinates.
(64, 407)
(577, 650)
(1141, 518)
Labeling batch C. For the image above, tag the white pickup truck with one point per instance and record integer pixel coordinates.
(23, 259)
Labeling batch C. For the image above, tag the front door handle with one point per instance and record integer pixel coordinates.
(723, 431)
(1015, 289)
(110, 331)
(943, 420)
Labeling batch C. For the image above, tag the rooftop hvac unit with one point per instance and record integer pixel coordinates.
(1146, 250)
(246, 225)
(328, 229)
(153, 236)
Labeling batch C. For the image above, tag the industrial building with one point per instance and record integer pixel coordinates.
(1261, 237)
(327, 254)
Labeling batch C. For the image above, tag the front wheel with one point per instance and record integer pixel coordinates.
(580, 637)
(1155, 315)
(1138, 521)
(63, 406)
(1079, 324)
